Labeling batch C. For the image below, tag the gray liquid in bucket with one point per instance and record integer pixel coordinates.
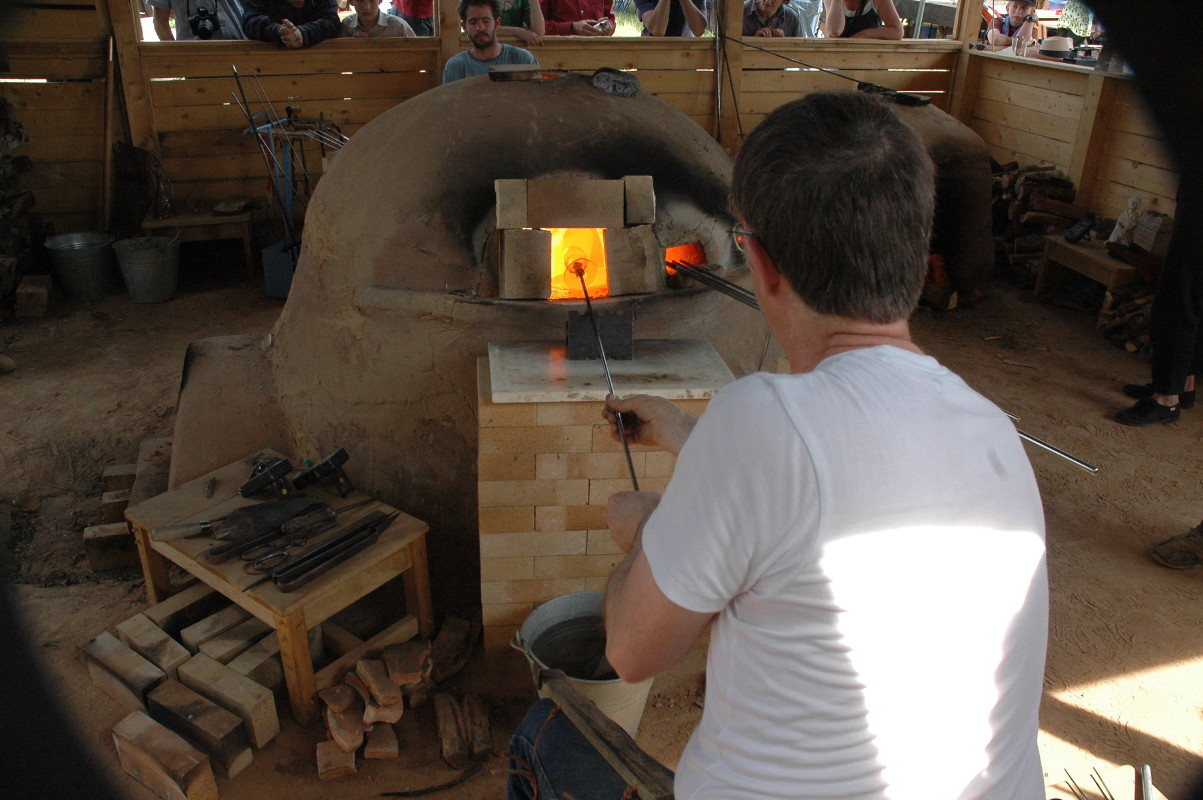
(578, 647)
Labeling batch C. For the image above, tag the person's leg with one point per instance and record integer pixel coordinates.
(547, 752)
(1176, 321)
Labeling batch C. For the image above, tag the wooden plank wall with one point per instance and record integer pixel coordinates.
(1092, 125)
(53, 56)
(767, 80)
(200, 128)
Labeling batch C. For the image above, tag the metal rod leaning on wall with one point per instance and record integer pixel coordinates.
(737, 292)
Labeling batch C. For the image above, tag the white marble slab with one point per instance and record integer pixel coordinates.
(540, 372)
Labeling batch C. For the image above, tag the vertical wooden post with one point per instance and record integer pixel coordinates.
(968, 21)
(137, 87)
(731, 55)
(965, 84)
(449, 32)
(1091, 136)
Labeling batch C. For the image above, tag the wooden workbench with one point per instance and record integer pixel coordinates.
(208, 227)
(400, 551)
(1089, 258)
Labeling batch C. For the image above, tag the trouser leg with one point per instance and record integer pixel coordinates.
(550, 759)
(1176, 323)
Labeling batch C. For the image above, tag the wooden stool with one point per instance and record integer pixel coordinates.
(1089, 259)
(208, 227)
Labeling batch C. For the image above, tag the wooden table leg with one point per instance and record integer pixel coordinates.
(298, 667)
(416, 580)
(154, 568)
(248, 250)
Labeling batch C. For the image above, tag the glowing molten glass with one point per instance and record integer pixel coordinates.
(691, 253)
(583, 247)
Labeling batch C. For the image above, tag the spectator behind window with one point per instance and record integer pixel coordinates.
(368, 23)
(672, 17)
(522, 19)
(418, 13)
(579, 17)
(291, 23)
(777, 18)
(220, 19)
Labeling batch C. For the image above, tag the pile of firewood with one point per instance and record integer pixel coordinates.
(17, 221)
(1124, 319)
(1030, 203)
(361, 712)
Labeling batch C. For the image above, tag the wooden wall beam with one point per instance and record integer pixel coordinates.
(1091, 136)
(136, 87)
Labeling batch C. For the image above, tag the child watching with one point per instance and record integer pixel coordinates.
(1017, 27)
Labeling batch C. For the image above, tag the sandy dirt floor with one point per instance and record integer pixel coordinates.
(1124, 657)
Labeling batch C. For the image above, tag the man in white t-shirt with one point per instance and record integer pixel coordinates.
(863, 536)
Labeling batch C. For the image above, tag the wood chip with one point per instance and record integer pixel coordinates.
(451, 740)
(452, 647)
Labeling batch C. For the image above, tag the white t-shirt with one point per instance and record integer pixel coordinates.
(871, 537)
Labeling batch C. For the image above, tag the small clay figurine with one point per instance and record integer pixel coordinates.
(1122, 235)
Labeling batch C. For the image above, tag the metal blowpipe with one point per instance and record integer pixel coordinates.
(578, 269)
(737, 292)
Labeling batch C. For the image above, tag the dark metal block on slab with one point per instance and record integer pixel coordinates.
(617, 329)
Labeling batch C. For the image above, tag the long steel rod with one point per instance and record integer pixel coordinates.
(579, 270)
(745, 296)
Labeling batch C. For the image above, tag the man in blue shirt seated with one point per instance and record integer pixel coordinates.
(480, 19)
(672, 17)
(292, 23)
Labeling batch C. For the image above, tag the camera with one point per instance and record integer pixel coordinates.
(204, 23)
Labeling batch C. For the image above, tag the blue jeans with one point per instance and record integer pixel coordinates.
(548, 750)
(423, 26)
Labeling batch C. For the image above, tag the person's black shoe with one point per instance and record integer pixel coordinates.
(1147, 411)
(1142, 390)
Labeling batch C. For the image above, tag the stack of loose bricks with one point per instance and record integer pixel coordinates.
(111, 544)
(199, 677)
(546, 472)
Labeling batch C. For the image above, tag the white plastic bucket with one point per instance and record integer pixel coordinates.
(575, 619)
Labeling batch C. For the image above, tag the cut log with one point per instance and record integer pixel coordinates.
(333, 761)
(452, 647)
(454, 747)
(476, 726)
(375, 676)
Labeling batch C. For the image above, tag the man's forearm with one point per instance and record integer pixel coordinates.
(694, 17)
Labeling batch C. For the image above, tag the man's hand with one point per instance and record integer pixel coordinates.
(290, 35)
(361, 35)
(656, 421)
(591, 27)
(625, 514)
(769, 33)
(526, 35)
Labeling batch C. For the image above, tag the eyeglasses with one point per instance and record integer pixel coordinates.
(738, 235)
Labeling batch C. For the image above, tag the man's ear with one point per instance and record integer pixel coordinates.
(764, 271)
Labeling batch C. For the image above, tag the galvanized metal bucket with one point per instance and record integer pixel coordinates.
(83, 263)
(620, 701)
(150, 266)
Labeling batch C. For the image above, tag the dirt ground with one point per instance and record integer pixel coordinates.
(1124, 660)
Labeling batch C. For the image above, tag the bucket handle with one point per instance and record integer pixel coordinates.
(518, 644)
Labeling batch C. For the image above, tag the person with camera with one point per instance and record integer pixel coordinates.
(579, 17)
(197, 19)
(292, 23)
